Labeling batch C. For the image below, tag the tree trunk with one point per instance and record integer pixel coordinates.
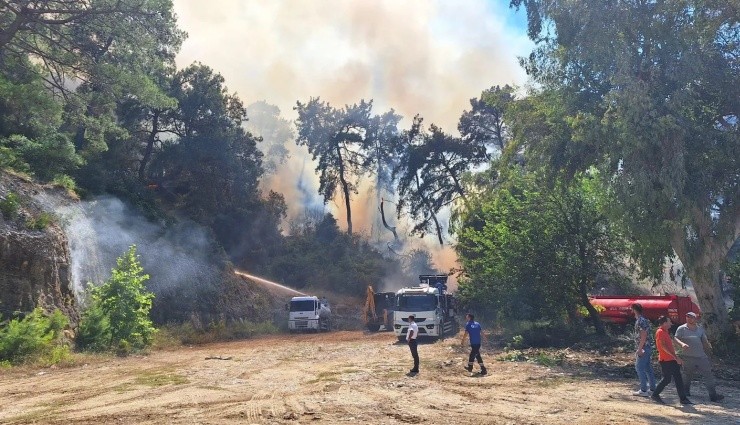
(149, 145)
(593, 314)
(345, 190)
(702, 265)
(714, 315)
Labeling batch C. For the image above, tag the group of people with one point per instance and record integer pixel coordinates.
(694, 344)
(472, 329)
(682, 369)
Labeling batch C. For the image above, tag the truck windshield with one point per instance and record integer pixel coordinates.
(305, 305)
(421, 302)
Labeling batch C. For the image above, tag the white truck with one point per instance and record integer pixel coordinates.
(309, 314)
(432, 306)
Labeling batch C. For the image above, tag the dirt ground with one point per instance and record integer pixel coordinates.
(342, 377)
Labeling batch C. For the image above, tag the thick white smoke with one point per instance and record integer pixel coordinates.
(99, 231)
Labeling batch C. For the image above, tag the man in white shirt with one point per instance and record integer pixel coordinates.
(411, 335)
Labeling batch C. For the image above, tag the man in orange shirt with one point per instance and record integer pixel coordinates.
(670, 363)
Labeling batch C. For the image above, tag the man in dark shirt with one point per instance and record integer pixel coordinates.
(473, 329)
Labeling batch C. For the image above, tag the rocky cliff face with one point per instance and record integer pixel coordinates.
(34, 255)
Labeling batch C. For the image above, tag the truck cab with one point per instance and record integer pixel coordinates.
(432, 306)
(308, 314)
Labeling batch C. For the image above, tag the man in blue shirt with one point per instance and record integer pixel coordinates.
(473, 329)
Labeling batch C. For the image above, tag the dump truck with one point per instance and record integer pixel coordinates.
(309, 313)
(379, 308)
(432, 306)
(617, 309)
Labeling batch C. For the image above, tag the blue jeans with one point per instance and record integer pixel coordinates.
(644, 368)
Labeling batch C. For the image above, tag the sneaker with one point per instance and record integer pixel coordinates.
(717, 397)
(656, 398)
(469, 368)
(642, 393)
(483, 371)
(686, 401)
(414, 371)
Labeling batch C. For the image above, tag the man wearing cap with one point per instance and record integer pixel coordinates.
(694, 346)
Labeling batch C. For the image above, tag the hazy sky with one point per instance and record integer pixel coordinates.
(428, 57)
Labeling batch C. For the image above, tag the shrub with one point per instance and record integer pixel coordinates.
(65, 181)
(119, 314)
(36, 337)
(10, 206)
(41, 222)
(93, 333)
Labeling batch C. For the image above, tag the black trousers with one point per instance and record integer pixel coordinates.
(475, 354)
(671, 370)
(414, 353)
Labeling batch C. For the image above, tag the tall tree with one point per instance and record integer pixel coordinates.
(652, 97)
(345, 142)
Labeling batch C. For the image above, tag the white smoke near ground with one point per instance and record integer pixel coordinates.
(175, 256)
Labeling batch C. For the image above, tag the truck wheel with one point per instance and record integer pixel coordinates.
(373, 328)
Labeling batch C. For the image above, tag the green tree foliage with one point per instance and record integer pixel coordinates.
(649, 92)
(214, 165)
(430, 174)
(484, 125)
(34, 337)
(532, 252)
(109, 47)
(119, 313)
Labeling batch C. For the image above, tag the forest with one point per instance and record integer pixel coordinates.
(621, 153)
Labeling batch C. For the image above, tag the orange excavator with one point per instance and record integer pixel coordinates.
(379, 307)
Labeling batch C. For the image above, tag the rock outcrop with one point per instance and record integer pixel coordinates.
(34, 254)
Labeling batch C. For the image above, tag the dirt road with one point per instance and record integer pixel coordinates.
(341, 377)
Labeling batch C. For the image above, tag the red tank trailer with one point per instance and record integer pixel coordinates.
(618, 308)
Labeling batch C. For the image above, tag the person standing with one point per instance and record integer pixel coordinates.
(670, 364)
(473, 329)
(411, 334)
(643, 354)
(694, 344)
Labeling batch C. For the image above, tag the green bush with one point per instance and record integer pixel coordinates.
(65, 181)
(36, 337)
(118, 317)
(41, 222)
(10, 206)
(93, 333)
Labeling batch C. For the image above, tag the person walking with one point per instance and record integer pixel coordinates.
(670, 364)
(694, 344)
(473, 329)
(643, 354)
(411, 335)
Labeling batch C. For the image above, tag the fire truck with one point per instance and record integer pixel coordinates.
(432, 306)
